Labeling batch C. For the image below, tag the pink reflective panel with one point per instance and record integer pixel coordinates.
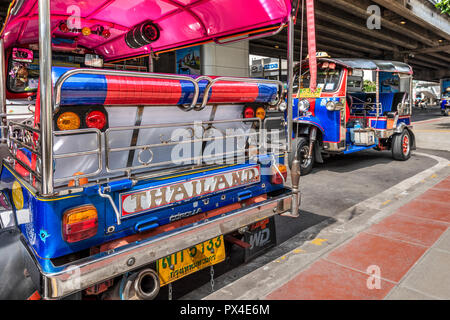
(181, 22)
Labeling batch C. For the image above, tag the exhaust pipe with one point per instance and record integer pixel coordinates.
(146, 285)
(143, 285)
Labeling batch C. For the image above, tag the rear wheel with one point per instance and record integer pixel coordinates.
(301, 145)
(401, 146)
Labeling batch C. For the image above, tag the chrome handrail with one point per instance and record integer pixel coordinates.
(70, 73)
(97, 151)
(109, 150)
(234, 79)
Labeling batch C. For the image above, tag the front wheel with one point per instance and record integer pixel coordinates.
(306, 165)
(401, 146)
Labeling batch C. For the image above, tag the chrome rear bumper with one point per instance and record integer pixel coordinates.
(106, 265)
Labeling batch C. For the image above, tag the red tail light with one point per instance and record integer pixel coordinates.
(80, 223)
(276, 177)
(96, 119)
(249, 112)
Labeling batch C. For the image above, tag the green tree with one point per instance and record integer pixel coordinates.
(444, 6)
(370, 86)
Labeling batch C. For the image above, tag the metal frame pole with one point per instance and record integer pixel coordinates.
(290, 78)
(377, 95)
(411, 94)
(3, 89)
(295, 166)
(45, 67)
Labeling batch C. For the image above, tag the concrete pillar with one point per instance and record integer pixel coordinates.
(225, 60)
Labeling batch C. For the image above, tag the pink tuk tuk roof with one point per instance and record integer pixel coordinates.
(181, 22)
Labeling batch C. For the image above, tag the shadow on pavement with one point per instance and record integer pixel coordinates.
(304, 229)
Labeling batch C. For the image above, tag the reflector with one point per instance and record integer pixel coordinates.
(96, 119)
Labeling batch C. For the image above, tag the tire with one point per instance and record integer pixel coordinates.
(447, 112)
(302, 145)
(401, 146)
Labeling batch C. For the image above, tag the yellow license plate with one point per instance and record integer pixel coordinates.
(188, 261)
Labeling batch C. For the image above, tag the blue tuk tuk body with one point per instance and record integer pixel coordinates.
(116, 182)
(445, 97)
(343, 117)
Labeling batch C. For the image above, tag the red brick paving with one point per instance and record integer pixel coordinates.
(444, 185)
(411, 229)
(436, 195)
(437, 211)
(395, 244)
(325, 280)
(393, 257)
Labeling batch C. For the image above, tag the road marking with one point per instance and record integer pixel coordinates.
(427, 121)
(318, 242)
(433, 131)
(386, 202)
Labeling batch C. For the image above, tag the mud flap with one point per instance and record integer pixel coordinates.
(261, 236)
(413, 138)
(17, 267)
(318, 152)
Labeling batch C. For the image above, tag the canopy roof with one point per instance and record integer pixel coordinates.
(181, 22)
(375, 65)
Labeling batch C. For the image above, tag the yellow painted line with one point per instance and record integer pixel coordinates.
(299, 251)
(433, 131)
(386, 202)
(433, 176)
(318, 242)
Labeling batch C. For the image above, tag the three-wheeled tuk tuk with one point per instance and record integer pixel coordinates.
(121, 182)
(344, 116)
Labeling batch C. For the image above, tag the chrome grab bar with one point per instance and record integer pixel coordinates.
(70, 73)
(103, 194)
(14, 142)
(233, 79)
(148, 164)
(97, 151)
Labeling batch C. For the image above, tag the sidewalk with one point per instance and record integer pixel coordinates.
(410, 249)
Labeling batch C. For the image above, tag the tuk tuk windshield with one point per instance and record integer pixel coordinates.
(328, 77)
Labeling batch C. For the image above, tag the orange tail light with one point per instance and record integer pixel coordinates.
(80, 223)
(276, 177)
(68, 121)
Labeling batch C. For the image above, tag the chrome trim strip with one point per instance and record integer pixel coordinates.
(103, 266)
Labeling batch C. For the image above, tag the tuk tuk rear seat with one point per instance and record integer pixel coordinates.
(389, 102)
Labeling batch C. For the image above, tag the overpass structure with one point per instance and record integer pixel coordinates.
(412, 31)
